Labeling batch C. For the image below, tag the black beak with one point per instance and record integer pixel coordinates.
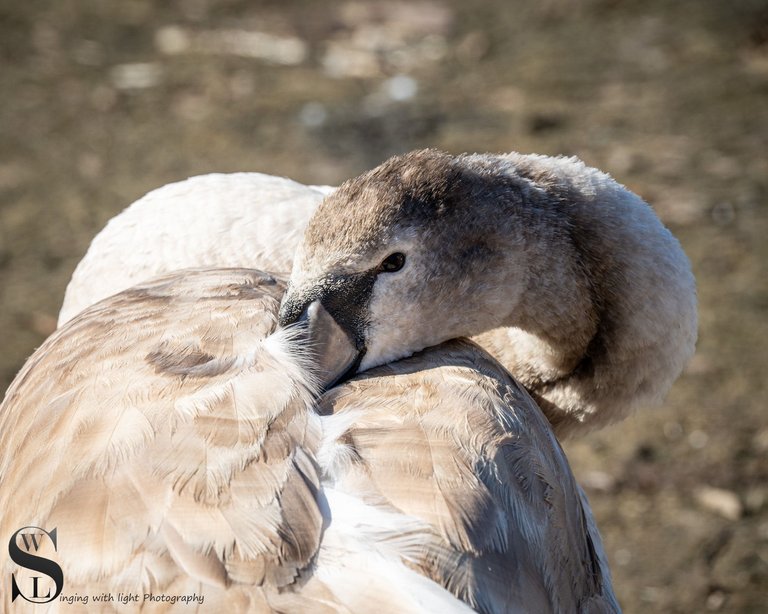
(334, 310)
(344, 297)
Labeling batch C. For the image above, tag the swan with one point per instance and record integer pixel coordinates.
(604, 316)
(170, 435)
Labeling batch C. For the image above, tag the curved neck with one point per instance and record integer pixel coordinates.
(556, 316)
(605, 318)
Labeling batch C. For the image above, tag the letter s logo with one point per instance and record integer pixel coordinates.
(35, 563)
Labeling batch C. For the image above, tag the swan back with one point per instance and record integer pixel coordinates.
(216, 220)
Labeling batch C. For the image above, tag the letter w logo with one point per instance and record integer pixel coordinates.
(35, 538)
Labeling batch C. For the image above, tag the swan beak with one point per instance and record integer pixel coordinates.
(334, 354)
(335, 311)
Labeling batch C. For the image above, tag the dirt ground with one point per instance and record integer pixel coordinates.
(103, 101)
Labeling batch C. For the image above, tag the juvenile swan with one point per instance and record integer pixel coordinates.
(570, 280)
(170, 436)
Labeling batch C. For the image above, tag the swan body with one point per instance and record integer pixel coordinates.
(171, 436)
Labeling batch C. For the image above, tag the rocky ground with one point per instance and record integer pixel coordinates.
(102, 101)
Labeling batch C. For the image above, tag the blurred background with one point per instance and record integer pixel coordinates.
(102, 101)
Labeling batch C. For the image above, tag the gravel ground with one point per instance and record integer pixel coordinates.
(103, 101)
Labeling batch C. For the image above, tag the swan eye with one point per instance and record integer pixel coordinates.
(393, 262)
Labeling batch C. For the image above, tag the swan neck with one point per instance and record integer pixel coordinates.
(555, 317)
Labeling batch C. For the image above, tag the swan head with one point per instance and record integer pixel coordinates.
(404, 257)
(568, 278)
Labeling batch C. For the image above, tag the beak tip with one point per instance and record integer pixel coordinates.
(288, 314)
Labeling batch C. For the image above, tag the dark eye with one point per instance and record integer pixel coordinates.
(393, 262)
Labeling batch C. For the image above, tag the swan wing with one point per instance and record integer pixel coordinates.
(448, 440)
(165, 434)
